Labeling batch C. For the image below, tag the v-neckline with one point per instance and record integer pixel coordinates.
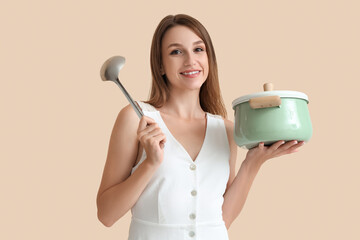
(180, 145)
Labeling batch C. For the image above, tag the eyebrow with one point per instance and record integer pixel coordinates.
(178, 44)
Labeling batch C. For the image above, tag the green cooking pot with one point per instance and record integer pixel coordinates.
(271, 116)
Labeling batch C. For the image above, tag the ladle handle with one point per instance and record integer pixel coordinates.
(131, 101)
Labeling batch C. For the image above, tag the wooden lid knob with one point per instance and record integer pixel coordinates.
(268, 87)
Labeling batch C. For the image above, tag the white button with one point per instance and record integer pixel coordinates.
(193, 192)
(192, 166)
(192, 216)
(191, 233)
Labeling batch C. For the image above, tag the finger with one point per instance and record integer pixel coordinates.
(148, 129)
(287, 147)
(154, 132)
(276, 145)
(163, 141)
(161, 138)
(145, 127)
(261, 145)
(144, 132)
(296, 147)
(144, 121)
(289, 144)
(142, 124)
(151, 136)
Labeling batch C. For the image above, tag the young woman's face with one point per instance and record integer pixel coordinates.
(184, 57)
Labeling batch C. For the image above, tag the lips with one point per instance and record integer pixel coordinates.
(190, 73)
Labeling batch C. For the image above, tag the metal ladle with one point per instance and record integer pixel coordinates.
(110, 72)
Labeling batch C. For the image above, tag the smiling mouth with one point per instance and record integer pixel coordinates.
(190, 73)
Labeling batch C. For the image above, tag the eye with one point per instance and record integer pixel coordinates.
(199, 49)
(175, 52)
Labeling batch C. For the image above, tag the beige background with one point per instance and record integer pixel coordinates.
(57, 115)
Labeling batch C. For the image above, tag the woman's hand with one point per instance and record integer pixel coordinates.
(152, 140)
(260, 154)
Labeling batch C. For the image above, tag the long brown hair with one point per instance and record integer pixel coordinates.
(210, 97)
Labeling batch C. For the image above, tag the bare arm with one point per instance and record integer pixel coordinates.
(226, 208)
(239, 185)
(236, 194)
(119, 190)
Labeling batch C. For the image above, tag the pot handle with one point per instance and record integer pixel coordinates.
(265, 102)
(268, 87)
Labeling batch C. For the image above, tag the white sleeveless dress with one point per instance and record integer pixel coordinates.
(184, 198)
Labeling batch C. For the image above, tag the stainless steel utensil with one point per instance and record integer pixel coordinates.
(110, 72)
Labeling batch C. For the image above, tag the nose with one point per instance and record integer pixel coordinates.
(190, 59)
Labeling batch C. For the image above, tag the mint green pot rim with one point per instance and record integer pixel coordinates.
(281, 94)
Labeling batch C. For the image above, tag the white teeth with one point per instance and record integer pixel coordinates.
(190, 73)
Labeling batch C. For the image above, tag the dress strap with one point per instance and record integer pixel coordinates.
(146, 106)
(215, 116)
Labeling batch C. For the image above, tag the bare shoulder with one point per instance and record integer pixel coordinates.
(124, 134)
(229, 125)
(125, 126)
(128, 116)
(122, 151)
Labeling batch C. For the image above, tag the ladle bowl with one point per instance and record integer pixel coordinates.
(110, 72)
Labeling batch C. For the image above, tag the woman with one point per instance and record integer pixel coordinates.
(175, 168)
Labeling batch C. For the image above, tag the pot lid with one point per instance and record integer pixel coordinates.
(268, 92)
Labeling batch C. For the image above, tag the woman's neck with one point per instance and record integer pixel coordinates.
(183, 104)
